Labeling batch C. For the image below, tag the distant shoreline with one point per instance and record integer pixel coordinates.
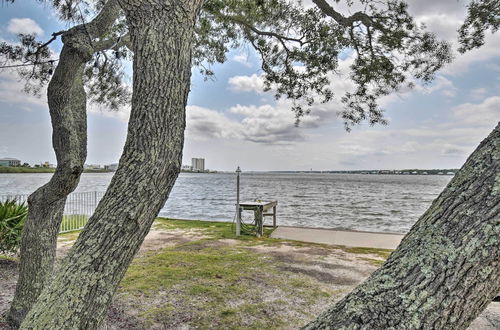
(27, 170)
(445, 172)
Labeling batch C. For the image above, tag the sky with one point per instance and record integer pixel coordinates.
(231, 121)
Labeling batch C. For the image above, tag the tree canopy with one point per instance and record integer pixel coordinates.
(299, 47)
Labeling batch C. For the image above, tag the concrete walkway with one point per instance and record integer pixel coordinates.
(339, 237)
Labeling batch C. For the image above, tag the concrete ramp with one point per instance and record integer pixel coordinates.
(339, 237)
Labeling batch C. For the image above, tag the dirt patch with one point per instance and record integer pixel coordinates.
(326, 264)
(8, 279)
(158, 239)
(206, 244)
(321, 276)
(118, 319)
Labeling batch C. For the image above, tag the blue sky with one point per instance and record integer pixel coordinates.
(231, 122)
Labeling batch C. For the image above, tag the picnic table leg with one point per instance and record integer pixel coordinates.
(258, 221)
(261, 227)
(274, 217)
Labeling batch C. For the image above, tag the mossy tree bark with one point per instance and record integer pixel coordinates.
(78, 297)
(67, 106)
(447, 268)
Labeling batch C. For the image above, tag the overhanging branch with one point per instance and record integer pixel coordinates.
(339, 18)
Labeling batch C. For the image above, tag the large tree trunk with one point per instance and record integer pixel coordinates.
(447, 269)
(67, 102)
(79, 295)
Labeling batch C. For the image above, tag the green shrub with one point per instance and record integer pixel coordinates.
(12, 217)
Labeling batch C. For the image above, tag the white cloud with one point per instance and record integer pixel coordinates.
(446, 7)
(24, 26)
(203, 123)
(11, 91)
(482, 114)
(242, 58)
(253, 83)
(462, 63)
(265, 124)
(444, 25)
(478, 93)
(122, 114)
(440, 84)
(269, 124)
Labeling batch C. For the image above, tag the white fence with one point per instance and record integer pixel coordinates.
(79, 207)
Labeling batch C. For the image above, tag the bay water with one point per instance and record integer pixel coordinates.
(383, 203)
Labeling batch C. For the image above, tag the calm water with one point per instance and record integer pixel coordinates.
(363, 202)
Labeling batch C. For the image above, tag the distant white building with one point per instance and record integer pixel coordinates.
(10, 162)
(198, 164)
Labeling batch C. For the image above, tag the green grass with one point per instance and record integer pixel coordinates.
(375, 262)
(8, 258)
(7, 169)
(214, 229)
(221, 286)
(73, 221)
(70, 236)
(222, 265)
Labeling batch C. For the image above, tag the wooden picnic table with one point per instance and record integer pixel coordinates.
(261, 210)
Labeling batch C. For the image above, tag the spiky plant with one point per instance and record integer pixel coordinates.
(12, 217)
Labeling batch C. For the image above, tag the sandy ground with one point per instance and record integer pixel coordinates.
(333, 268)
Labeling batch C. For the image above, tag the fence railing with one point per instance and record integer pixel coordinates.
(79, 207)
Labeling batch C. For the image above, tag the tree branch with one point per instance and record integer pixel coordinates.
(339, 18)
(104, 20)
(113, 43)
(54, 37)
(241, 21)
(26, 64)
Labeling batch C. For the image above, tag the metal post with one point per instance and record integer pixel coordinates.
(274, 216)
(238, 218)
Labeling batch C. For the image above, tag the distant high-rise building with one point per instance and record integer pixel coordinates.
(198, 164)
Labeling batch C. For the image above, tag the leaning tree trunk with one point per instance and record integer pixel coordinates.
(447, 268)
(78, 297)
(67, 102)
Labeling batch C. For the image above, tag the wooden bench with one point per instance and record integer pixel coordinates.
(261, 210)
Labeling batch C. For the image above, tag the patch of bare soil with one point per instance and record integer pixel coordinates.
(200, 245)
(8, 279)
(339, 269)
(158, 239)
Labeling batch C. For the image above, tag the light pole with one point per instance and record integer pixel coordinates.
(238, 219)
